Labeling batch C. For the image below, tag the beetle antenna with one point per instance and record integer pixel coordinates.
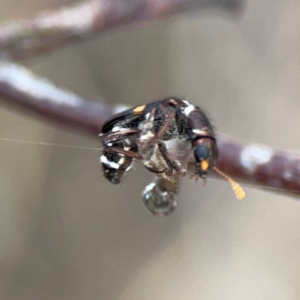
(238, 190)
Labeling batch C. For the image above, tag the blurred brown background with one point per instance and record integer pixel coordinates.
(66, 233)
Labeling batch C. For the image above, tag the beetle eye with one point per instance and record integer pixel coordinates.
(201, 153)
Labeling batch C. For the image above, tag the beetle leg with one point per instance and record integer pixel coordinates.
(116, 136)
(119, 136)
(178, 167)
(155, 159)
(162, 130)
(125, 152)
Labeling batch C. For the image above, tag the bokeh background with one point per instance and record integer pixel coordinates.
(66, 233)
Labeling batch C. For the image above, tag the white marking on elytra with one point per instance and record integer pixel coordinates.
(198, 131)
(187, 110)
(253, 156)
(116, 128)
(111, 164)
(121, 160)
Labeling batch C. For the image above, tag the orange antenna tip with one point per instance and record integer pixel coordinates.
(238, 190)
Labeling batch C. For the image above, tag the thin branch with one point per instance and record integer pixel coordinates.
(53, 29)
(256, 164)
(260, 165)
(19, 87)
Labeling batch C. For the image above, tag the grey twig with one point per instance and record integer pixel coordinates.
(53, 29)
(260, 165)
(19, 87)
(255, 164)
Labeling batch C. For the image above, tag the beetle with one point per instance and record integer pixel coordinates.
(125, 137)
(143, 132)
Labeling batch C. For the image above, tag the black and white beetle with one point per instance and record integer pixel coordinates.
(121, 136)
(142, 132)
